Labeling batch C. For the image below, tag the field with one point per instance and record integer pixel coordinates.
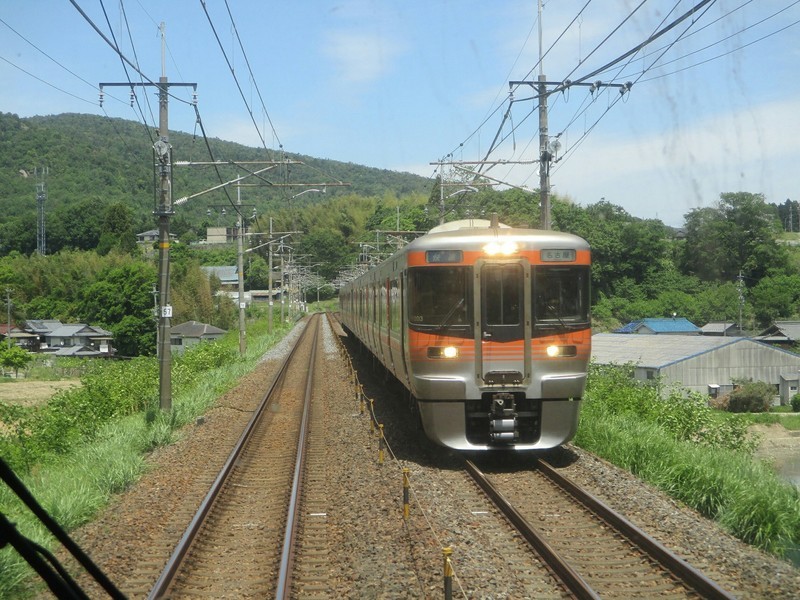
(26, 392)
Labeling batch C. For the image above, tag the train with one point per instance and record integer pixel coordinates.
(486, 326)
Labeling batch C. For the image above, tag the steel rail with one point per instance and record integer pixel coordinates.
(674, 564)
(283, 590)
(167, 576)
(573, 582)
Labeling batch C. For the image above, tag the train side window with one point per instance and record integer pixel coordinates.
(394, 304)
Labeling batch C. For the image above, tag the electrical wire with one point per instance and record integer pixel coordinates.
(119, 52)
(55, 87)
(134, 96)
(727, 53)
(252, 77)
(659, 33)
(136, 58)
(233, 74)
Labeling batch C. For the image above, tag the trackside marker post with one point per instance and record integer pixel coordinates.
(380, 444)
(448, 573)
(406, 485)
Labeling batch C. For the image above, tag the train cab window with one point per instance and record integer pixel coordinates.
(440, 300)
(502, 288)
(560, 299)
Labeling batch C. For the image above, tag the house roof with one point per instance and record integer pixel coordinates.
(788, 330)
(76, 351)
(195, 329)
(718, 327)
(226, 275)
(72, 330)
(645, 351)
(667, 325)
(42, 325)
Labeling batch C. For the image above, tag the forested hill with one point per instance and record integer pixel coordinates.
(94, 162)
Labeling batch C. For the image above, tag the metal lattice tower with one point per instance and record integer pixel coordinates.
(41, 196)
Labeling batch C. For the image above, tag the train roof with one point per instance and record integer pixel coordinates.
(466, 224)
(478, 231)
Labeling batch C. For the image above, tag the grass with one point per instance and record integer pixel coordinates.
(714, 473)
(790, 420)
(76, 486)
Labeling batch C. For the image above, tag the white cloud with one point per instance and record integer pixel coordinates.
(666, 175)
(361, 56)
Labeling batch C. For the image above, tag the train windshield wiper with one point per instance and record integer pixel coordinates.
(446, 320)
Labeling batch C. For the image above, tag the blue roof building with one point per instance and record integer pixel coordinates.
(668, 326)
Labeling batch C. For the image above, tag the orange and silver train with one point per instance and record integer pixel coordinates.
(488, 328)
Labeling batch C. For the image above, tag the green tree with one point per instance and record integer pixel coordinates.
(775, 298)
(737, 235)
(121, 301)
(328, 248)
(15, 358)
(117, 230)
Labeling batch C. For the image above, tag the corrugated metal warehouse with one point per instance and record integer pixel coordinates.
(703, 364)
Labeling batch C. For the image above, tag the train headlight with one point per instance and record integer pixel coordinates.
(561, 351)
(442, 352)
(497, 248)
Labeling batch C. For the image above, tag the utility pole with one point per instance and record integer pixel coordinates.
(740, 290)
(8, 314)
(163, 210)
(269, 250)
(240, 268)
(282, 235)
(239, 232)
(546, 149)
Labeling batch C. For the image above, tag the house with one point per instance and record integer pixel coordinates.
(147, 237)
(723, 328)
(704, 364)
(228, 276)
(668, 326)
(191, 333)
(781, 333)
(20, 338)
(78, 339)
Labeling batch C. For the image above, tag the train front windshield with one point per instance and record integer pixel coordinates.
(440, 300)
(560, 299)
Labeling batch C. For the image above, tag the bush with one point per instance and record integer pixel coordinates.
(796, 403)
(751, 396)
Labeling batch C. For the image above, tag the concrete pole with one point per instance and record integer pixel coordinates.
(271, 299)
(240, 268)
(163, 154)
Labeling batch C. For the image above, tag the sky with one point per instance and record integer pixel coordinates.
(403, 85)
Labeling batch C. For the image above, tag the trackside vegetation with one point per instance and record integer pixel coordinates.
(91, 442)
(681, 446)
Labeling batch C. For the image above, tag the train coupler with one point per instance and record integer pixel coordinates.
(503, 418)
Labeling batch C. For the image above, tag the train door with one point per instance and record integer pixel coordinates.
(503, 349)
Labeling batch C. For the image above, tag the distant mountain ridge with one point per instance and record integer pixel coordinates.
(110, 160)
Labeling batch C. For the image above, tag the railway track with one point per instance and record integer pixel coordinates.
(241, 542)
(594, 551)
